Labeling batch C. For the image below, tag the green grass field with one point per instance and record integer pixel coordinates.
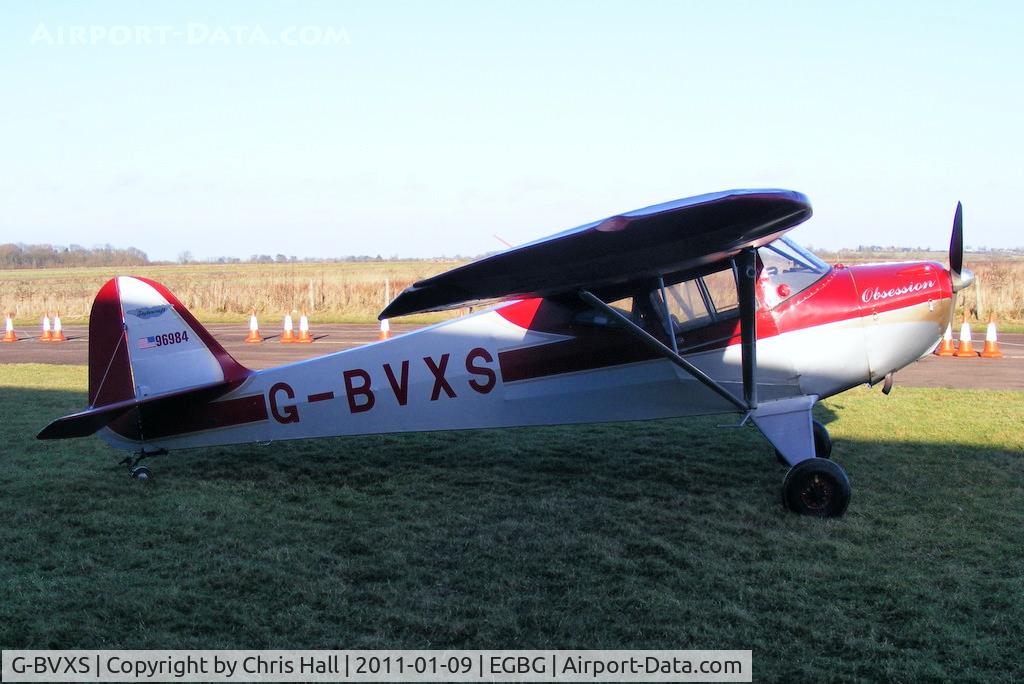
(666, 534)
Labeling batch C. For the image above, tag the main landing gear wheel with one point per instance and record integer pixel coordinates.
(816, 487)
(140, 473)
(822, 443)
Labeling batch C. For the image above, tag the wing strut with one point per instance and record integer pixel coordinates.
(655, 344)
(666, 314)
(746, 267)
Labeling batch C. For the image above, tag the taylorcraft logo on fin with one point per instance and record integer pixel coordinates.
(148, 312)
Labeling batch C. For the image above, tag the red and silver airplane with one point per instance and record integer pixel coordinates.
(693, 307)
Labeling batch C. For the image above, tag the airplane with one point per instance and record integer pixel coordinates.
(698, 306)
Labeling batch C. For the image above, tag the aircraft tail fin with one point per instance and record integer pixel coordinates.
(144, 343)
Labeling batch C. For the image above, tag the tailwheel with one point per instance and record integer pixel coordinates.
(822, 443)
(816, 487)
(140, 473)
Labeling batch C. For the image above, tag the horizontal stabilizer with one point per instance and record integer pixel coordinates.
(664, 239)
(89, 421)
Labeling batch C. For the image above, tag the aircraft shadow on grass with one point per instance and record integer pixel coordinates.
(669, 457)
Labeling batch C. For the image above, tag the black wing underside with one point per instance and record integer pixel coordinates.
(610, 255)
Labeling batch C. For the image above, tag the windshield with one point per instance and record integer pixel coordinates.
(787, 269)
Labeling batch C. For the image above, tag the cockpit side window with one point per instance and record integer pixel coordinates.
(702, 301)
(686, 305)
(786, 269)
(721, 287)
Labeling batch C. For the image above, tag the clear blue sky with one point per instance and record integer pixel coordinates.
(423, 129)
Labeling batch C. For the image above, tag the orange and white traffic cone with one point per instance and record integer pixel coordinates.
(58, 330)
(288, 336)
(991, 350)
(304, 335)
(46, 336)
(385, 329)
(945, 347)
(966, 348)
(254, 330)
(9, 335)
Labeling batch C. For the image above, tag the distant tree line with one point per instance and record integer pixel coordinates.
(20, 255)
(54, 256)
(281, 258)
(895, 250)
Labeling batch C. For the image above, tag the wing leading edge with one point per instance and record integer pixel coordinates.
(683, 235)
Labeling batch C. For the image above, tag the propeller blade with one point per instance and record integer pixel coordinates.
(956, 242)
(959, 276)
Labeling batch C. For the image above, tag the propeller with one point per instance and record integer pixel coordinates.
(959, 276)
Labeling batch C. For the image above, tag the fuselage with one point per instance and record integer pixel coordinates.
(538, 362)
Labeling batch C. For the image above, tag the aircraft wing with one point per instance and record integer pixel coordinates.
(687, 234)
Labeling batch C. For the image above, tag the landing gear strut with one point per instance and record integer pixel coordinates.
(140, 472)
(822, 443)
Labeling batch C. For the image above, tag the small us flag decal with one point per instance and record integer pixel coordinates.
(163, 339)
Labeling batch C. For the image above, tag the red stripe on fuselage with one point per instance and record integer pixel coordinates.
(188, 413)
(588, 350)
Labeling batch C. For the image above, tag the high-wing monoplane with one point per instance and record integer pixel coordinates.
(697, 306)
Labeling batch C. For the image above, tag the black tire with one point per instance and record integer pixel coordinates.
(141, 473)
(822, 443)
(816, 487)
